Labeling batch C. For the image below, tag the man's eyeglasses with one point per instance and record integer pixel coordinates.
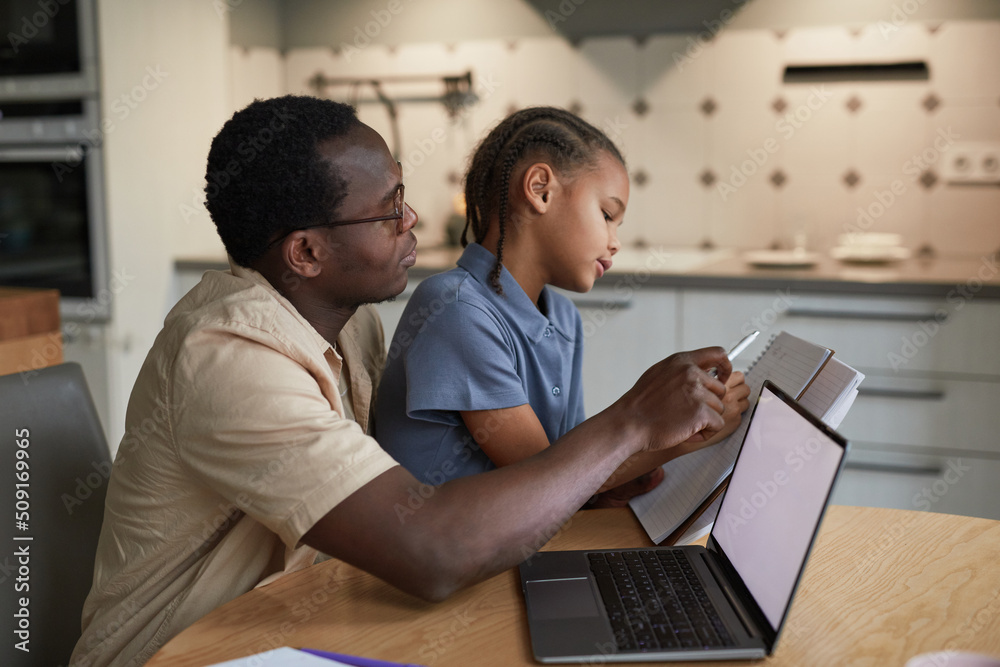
(398, 211)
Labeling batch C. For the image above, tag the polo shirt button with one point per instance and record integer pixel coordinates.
(556, 391)
(548, 331)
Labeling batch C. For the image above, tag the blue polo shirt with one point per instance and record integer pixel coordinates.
(461, 346)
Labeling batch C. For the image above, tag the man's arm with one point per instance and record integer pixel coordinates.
(474, 527)
(508, 435)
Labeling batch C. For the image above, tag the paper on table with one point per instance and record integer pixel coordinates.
(281, 657)
(789, 362)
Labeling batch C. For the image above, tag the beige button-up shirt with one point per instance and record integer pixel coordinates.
(236, 444)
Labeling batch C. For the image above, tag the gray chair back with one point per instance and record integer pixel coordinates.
(53, 478)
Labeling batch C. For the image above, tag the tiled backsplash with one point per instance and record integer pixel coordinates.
(720, 150)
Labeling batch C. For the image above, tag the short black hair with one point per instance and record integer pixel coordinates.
(265, 176)
(567, 140)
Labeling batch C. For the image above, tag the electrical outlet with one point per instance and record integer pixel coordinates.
(973, 162)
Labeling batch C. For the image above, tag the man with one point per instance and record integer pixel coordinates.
(246, 451)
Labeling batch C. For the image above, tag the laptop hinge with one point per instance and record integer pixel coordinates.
(730, 594)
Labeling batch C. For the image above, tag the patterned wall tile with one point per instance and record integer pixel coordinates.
(817, 133)
(888, 136)
(963, 221)
(930, 102)
(708, 106)
(748, 65)
(816, 206)
(687, 113)
(746, 218)
(965, 58)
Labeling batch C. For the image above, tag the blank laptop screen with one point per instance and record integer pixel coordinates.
(774, 501)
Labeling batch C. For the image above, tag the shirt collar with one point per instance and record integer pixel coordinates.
(246, 273)
(479, 262)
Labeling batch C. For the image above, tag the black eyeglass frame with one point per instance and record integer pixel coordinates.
(398, 206)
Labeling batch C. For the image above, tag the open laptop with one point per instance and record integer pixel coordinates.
(726, 601)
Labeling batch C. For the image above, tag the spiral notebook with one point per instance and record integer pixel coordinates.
(683, 507)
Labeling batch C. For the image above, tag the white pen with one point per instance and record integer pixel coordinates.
(742, 345)
(739, 347)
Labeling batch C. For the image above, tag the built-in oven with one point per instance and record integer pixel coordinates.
(52, 231)
(52, 221)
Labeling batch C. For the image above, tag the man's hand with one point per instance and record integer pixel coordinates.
(735, 402)
(677, 400)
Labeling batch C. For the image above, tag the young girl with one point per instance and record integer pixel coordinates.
(485, 365)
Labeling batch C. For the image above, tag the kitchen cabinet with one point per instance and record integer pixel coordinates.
(926, 417)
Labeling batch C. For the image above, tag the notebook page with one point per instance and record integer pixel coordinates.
(702, 525)
(828, 391)
(787, 361)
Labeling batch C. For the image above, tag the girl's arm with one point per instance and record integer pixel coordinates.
(506, 435)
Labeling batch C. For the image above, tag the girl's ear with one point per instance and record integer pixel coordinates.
(539, 182)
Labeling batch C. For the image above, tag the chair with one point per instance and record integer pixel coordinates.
(53, 477)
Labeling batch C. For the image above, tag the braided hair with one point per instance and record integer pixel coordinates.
(565, 139)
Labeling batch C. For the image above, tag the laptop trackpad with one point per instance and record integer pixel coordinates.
(552, 599)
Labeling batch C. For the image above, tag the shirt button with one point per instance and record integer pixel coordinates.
(548, 332)
(556, 391)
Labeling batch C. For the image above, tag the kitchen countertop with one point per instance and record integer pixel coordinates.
(726, 269)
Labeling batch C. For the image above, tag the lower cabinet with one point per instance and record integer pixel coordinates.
(915, 479)
(927, 414)
(925, 429)
(626, 330)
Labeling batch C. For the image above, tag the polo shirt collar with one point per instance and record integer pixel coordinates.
(515, 303)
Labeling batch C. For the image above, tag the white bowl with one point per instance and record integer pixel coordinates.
(858, 254)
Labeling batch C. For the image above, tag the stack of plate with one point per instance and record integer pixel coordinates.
(870, 248)
(799, 258)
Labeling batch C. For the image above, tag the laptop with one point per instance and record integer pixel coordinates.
(726, 601)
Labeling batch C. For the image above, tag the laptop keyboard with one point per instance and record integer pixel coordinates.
(655, 601)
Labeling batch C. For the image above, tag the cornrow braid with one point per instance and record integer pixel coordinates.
(564, 138)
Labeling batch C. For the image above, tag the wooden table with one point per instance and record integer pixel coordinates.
(882, 586)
